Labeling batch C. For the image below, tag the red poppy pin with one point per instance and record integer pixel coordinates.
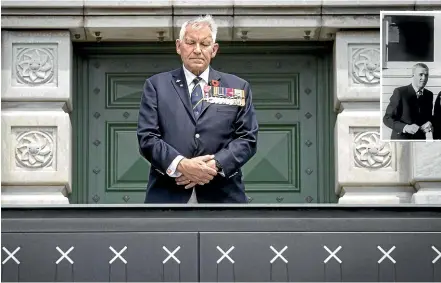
(214, 83)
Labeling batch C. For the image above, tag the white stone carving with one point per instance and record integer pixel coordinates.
(35, 149)
(370, 151)
(355, 52)
(366, 65)
(35, 66)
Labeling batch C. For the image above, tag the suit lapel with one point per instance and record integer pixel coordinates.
(410, 91)
(180, 84)
(411, 94)
(212, 76)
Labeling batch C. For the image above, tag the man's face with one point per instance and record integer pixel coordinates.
(420, 77)
(197, 48)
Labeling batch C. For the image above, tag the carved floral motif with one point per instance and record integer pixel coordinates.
(370, 151)
(35, 66)
(366, 65)
(34, 149)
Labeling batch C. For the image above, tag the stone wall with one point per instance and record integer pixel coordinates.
(371, 171)
(36, 127)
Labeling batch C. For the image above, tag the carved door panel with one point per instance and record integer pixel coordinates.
(284, 169)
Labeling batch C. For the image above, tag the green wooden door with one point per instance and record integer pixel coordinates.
(284, 95)
(285, 90)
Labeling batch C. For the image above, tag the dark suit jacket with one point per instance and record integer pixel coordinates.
(436, 120)
(167, 128)
(405, 109)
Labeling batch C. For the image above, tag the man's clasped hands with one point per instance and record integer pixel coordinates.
(412, 129)
(196, 171)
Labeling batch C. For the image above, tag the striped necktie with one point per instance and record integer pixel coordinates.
(196, 97)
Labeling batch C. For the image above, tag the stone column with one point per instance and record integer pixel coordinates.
(36, 127)
(368, 171)
(426, 164)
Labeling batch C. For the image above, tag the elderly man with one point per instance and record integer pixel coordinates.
(409, 112)
(196, 140)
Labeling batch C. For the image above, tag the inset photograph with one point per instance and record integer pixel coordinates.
(410, 76)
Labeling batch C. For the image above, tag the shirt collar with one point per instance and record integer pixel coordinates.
(189, 76)
(416, 89)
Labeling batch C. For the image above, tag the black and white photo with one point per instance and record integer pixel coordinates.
(410, 77)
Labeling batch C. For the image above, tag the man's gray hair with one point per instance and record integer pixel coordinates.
(419, 65)
(207, 20)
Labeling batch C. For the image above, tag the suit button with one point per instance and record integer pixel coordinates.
(197, 136)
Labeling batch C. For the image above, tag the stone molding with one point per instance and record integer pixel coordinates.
(150, 4)
(34, 195)
(123, 20)
(427, 193)
(376, 195)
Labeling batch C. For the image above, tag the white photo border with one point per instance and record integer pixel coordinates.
(401, 64)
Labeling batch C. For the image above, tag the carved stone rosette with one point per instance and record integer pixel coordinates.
(35, 149)
(370, 152)
(366, 65)
(35, 66)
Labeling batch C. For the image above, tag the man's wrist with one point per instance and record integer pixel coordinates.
(180, 164)
(172, 170)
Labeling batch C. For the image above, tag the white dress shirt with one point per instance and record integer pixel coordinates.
(416, 92)
(189, 77)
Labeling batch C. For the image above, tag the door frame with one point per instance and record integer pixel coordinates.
(326, 116)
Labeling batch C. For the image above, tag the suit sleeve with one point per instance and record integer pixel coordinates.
(151, 146)
(393, 113)
(430, 105)
(244, 144)
(437, 108)
(436, 118)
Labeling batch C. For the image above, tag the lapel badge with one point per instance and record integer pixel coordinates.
(214, 83)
